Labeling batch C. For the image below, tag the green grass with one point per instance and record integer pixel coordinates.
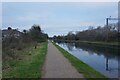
(81, 67)
(102, 43)
(30, 66)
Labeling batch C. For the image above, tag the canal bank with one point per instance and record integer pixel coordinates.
(83, 68)
(102, 59)
(101, 43)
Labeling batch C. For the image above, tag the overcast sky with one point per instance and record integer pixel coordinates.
(57, 18)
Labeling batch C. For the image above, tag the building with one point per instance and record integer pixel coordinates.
(6, 33)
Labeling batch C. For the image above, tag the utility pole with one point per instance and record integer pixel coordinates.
(107, 21)
(107, 28)
(107, 24)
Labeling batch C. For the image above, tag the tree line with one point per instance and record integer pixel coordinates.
(108, 33)
(33, 35)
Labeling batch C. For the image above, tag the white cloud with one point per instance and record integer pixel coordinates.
(28, 18)
(32, 17)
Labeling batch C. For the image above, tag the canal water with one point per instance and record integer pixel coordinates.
(102, 58)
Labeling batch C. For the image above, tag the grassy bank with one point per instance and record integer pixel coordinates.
(30, 65)
(102, 43)
(83, 68)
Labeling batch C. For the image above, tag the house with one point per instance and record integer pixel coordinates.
(6, 33)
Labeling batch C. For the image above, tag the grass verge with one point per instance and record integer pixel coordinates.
(81, 67)
(114, 44)
(30, 65)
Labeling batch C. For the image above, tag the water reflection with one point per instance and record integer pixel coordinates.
(108, 52)
(101, 58)
(107, 64)
(70, 46)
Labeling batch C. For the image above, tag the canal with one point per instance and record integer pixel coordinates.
(102, 58)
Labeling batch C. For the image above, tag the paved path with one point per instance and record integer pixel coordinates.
(57, 66)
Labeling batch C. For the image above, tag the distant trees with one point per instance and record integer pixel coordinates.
(106, 33)
(70, 36)
(26, 37)
(9, 28)
(37, 34)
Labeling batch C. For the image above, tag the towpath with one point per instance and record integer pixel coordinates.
(57, 66)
